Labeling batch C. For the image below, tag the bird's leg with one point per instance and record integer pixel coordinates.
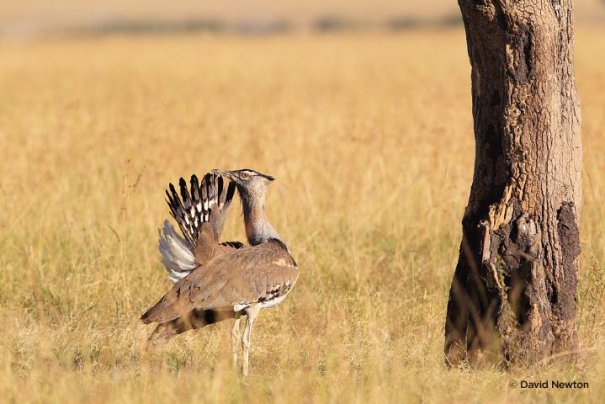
(252, 312)
(235, 336)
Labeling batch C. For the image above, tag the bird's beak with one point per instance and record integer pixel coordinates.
(223, 173)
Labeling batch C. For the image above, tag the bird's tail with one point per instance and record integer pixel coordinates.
(196, 319)
(205, 202)
(177, 253)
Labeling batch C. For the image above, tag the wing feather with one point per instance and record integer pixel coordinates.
(200, 212)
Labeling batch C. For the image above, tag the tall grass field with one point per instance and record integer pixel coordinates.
(370, 138)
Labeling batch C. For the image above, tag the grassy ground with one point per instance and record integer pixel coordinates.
(370, 138)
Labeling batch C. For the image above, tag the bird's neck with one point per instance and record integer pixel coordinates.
(258, 228)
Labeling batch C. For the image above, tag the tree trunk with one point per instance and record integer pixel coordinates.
(513, 296)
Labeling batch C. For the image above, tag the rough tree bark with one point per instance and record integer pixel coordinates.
(513, 296)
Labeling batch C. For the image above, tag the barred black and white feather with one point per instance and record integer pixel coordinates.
(196, 206)
(205, 202)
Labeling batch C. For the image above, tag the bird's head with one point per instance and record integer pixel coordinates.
(250, 183)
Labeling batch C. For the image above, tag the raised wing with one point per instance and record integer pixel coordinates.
(232, 281)
(200, 212)
(207, 202)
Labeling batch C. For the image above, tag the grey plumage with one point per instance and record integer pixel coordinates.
(252, 188)
(177, 255)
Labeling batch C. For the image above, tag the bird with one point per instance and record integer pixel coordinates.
(239, 282)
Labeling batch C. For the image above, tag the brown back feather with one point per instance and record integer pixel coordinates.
(239, 277)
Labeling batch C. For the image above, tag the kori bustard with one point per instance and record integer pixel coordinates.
(238, 281)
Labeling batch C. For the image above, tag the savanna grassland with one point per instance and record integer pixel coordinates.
(370, 138)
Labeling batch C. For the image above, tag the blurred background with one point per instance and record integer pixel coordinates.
(369, 132)
(34, 17)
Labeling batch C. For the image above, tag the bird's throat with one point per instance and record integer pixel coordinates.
(258, 228)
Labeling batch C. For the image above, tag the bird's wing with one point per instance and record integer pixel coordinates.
(203, 203)
(200, 212)
(239, 278)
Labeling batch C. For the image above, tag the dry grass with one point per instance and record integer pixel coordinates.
(370, 139)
